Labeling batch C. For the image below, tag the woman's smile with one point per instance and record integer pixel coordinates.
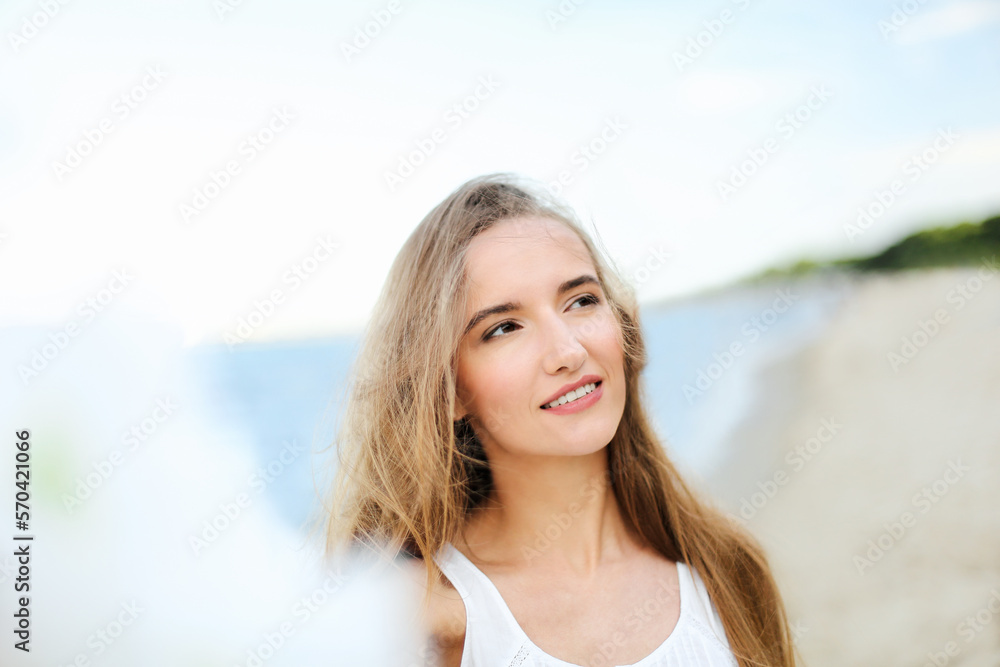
(591, 393)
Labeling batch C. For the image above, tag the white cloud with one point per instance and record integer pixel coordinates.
(948, 21)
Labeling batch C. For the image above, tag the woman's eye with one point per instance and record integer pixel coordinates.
(489, 334)
(588, 299)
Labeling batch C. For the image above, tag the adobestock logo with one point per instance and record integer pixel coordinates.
(562, 12)
(121, 108)
(104, 637)
(587, 153)
(915, 167)
(968, 628)
(454, 117)
(266, 306)
(218, 180)
(32, 25)
(301, 612)
(927, 329)
(88, 309)
(656, 259)
(699, 43)
(753, 329)
(896, 529)
(900, 16)
(796, 457)
(230, 511)
(364, 35)
(103, 470)
(785, 128)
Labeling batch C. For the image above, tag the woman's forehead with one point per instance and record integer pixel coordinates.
(511, 238)
(510, 269)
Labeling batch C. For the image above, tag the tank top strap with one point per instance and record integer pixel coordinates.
(698, 604)
(492, 634)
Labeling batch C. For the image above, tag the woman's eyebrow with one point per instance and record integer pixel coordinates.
(510, 306)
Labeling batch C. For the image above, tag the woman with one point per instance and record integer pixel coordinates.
(496, 424)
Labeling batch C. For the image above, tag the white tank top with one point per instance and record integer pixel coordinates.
(493, 638)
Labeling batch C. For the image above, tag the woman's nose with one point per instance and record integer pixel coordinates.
(562, 347)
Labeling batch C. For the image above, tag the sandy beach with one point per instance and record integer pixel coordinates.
(869, 471)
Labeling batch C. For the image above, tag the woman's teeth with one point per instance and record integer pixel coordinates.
(571, 396)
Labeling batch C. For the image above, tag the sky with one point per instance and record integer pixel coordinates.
(246, 167)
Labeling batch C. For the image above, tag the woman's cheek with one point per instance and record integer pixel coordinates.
(603, 330)
(488, 392)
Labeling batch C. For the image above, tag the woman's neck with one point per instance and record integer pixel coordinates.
(557, 512)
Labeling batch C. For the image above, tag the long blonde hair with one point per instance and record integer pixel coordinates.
(408, 476)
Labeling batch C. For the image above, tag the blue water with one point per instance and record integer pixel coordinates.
(696, 335)
(280, 393)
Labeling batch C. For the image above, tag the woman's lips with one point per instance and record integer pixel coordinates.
(573, 386)
(581, 403)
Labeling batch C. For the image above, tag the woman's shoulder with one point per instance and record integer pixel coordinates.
(443, 617)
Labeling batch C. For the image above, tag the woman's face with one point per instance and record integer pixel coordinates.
(540, 324)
